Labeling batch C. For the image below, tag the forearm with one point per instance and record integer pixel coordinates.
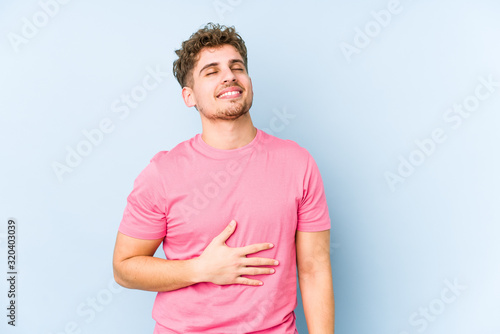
(318, 301)
(134, 266)
(156, 274)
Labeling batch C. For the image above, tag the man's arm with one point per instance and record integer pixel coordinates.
(315, 280)
(135, 267)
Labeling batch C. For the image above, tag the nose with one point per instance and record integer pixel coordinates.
(228, 75)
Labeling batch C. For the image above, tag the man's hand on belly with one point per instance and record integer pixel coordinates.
(222, 265)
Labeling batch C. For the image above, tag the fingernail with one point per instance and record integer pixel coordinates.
(271, 245)
(276, 262)
(232, 223)
(272, 271)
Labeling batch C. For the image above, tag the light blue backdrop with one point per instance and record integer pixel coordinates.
(397, 101)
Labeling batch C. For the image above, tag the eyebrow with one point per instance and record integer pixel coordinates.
(231, 62)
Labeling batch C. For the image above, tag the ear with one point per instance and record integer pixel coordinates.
(188, 97)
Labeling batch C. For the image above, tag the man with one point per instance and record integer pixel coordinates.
(238, 211)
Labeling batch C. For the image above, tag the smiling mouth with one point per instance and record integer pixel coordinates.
(230, 93)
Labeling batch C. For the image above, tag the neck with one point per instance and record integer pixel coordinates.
(228, 134)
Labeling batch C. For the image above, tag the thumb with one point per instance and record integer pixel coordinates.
(226, 233)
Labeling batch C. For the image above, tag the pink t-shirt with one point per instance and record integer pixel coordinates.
(188, 195)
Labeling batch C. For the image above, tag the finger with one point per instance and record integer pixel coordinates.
(247, 281)
(226, 233)
(255, 248)
(256, 271)
(259, 261)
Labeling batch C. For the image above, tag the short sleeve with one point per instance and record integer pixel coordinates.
(144, 216)
(312, 215)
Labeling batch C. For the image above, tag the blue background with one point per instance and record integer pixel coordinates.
(394, 248)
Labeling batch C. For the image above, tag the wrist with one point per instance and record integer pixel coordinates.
(197, 273)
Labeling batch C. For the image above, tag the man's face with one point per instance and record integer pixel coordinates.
(221, 87)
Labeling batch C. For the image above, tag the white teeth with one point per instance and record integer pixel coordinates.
(234, 92)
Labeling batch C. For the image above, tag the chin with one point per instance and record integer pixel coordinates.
(233, 112)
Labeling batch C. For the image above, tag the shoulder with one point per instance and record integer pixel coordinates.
(285, 147)
(166, 157)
